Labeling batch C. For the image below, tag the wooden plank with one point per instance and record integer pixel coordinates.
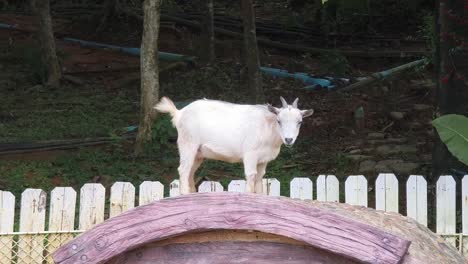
(416, 198)
(32, 219)
(150, 191)
(122, 198)
(92, 198)
(446, 190)
(237, 186)
(328, 188)
(386, 192)
(301, 188)
(7, 214)
(356, 190)
(295, 219)
(465, 214)
(61, 217)
(210, 186)
(259, 252)
(174, 188)
(271, 186)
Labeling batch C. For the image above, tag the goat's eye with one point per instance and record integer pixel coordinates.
(279, 122)
(300, 122)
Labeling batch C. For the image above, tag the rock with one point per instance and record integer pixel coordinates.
(395, 149)
(421, 107)
(387, 141)
(405, 168)
(415, 125)
(397, 140)
(357, 157)
(367, 166)
(397, 166)
(376, 135)
(397, 115)
(355, 151)
(385, 166)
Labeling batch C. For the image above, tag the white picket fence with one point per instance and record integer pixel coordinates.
(34, 240)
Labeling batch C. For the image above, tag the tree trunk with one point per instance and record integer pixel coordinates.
(47, 42)
(149, 71)
(208, 49)
(451, 92)
(251, 52)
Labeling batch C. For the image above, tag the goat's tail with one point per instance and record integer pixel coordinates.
(166, 106)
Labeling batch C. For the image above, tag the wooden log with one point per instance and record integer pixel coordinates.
(197, 212)
(223, 252)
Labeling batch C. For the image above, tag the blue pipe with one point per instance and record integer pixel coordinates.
(7, 26)
(304, 77)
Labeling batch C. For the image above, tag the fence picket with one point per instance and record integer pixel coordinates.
(32, 219)
(210, 186)
(465, 213)
(302, 188)
(174, 189)
(92, 201)
(61, 218)
(236, 186)
(446, 188)
(386, 192)
(122, 198)
(328, 188)
(356, 190)
(416, 198)
(271, 186)
(150, 191)
(7, 214)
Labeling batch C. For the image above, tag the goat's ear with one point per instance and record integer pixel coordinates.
(273, 109)
(306, 113)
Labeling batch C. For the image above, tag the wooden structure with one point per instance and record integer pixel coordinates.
(232, 228)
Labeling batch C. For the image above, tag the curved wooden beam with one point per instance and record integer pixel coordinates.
(198, 212)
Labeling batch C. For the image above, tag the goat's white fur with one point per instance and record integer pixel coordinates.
(252, 134)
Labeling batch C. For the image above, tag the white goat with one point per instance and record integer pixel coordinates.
(252, 134)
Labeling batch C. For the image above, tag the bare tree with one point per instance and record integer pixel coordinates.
(251, 56)
(208, 50)
(149, 71)
(47, 41)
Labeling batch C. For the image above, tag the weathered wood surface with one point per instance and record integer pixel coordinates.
(234, 211)
(426, 246)
(230, 252)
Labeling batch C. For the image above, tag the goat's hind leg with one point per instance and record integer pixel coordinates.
(188, 154)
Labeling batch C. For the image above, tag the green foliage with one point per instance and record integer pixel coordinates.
(163, 130)
(453, 131)
(30, 56)
(64, 113)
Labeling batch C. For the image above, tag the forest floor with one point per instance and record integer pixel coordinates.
(396, 135)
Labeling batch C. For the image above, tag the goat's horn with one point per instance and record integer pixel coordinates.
(285, 105)
(294, 104)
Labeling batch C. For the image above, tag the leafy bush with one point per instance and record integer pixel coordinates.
(453, 131)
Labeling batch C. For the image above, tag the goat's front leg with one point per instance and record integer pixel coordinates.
(250, 170)
(261, 170)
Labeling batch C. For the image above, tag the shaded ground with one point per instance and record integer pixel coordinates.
(331, 141)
